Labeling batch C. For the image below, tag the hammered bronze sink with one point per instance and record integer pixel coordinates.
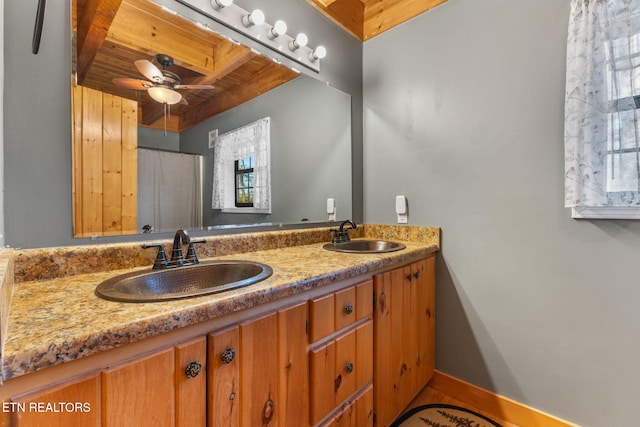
(365, 246)
(183, 282)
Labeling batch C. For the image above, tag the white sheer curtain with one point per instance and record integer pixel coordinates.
(169, 190)
(254, 138)
(602, 132)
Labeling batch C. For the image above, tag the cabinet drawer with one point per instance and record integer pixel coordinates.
(332, 312)
(339, 369)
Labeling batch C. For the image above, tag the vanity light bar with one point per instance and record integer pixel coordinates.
(252, 24)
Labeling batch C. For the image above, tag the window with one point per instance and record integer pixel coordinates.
(602, 125)
(244, 182)
(242, 169)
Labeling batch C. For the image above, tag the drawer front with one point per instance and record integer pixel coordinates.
(345, 310)
(338, 310)
(321, 313)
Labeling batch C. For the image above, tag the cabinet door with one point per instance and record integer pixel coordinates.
(140, 392)
(259, 371)
(191, 384)
(223, 378)
(35, 409)
(404, 336)
(323, 383)
(293, 368)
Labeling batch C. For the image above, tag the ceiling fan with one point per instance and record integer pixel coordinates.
(163, 83)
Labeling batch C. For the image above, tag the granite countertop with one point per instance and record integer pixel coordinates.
(60, 319)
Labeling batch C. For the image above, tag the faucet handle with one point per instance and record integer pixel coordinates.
(191, 252)
(161, 261)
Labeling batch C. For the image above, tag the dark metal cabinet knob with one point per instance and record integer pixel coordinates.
(227, 356)
(193, 369)
(348, 308)
(349, 368)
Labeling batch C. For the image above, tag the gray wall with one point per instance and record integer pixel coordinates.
(310, 151)
(464, 115)
(37, 118)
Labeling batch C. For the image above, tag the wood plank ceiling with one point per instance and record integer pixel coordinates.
(111, 34)
(367, 18)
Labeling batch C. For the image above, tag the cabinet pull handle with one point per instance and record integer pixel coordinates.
(348, 309)
(409, 277)
(193, 369)
(416, 274)
(349, 368)
(227, 356)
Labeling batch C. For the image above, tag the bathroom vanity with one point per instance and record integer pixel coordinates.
(331, 339)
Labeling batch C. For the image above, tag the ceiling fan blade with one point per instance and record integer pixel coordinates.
(149, 70)
(193, 87)
(132, 83)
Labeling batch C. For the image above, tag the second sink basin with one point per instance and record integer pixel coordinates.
(184, 282)
(365, 246)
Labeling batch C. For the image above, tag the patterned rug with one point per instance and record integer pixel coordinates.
(441, 415)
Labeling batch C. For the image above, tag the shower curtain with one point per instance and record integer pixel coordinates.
(169, 190)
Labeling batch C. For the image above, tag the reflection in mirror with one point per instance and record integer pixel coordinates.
(310, 124)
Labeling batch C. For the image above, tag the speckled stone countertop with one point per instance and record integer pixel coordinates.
(57, 319)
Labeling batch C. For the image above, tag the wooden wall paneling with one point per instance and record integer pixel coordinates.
(76, 160)
(111, 164)
(91, 162)
(105, 163)
(129, 166)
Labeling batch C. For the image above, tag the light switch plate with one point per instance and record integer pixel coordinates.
(213, 135)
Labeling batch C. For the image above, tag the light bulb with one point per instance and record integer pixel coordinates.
(301, 40)
(279, 28)
(254, 18)
(221, 3)
(319, 53)
(164, 95)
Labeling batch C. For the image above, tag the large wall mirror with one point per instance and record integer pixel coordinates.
(140, 165)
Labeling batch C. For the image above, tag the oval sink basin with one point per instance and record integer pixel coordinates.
(365, 246)
(183, 282)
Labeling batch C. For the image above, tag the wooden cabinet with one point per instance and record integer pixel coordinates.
(404, 336)
(258, 371)
(42, 408)
(341, 359)
(165, 388)
(328, 360)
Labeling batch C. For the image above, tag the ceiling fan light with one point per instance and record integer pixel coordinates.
(164, 95)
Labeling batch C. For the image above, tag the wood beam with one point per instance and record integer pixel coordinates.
(94, 25)
(136, 27)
